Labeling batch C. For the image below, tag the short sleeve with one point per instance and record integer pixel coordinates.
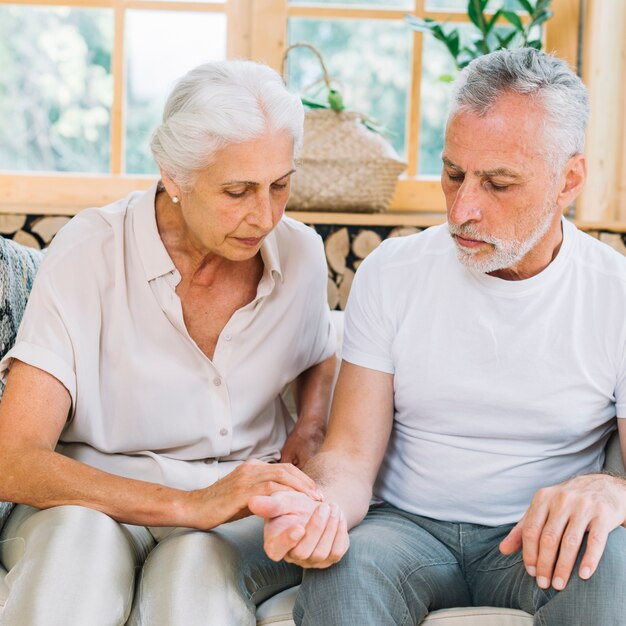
(323, 337)
(368, 337)
(620, 388)
(43, 339)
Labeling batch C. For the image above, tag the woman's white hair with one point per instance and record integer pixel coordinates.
(530, 72)
(218, 104)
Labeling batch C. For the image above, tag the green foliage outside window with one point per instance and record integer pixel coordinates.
(485, 37)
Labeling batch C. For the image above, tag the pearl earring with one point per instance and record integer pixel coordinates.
(175, 199)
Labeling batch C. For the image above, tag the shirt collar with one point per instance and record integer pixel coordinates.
(154, 256)
(271, 255)
(156, 261)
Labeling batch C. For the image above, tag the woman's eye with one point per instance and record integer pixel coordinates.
(279, 187)
(235, 194)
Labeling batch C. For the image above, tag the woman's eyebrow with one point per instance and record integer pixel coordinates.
(252, 183)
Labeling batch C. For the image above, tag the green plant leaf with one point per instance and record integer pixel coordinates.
(514, 19)
(541, 18)
(541, 5)
(475, 13)
(453, 43)
(447, 78)
(535, 43)
(313, 104)
(507, 39)
(493, 20)
(527, 6)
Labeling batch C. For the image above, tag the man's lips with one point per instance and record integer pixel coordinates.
(468, 243)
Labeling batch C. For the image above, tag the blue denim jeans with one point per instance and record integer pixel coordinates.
(401, 566)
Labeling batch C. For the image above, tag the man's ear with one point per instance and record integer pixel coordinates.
(170, 186)
(572, 180)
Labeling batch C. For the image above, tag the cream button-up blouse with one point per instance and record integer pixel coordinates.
(105, 320)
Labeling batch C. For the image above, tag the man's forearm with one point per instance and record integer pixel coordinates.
(313, 392)
(342, 481)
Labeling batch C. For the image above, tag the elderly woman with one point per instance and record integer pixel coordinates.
(142, 409)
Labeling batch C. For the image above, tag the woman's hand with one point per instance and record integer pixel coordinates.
(227, 499)
(303, 442)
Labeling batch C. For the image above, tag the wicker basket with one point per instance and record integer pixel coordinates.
(343, 165)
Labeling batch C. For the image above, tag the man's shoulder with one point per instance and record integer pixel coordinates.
(600, 258)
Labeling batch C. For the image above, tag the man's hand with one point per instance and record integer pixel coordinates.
(301, 530)
(551, 532)
(303, 442)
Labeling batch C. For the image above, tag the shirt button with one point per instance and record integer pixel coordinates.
(217, 382)
(227, 337)
(223, 432)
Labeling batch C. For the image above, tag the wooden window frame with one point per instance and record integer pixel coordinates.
(257, 29)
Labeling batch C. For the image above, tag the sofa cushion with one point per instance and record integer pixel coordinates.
(18, 266)
(277, 612)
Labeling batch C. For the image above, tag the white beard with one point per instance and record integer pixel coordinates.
(506, 253)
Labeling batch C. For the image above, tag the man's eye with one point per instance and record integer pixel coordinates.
(457, 178)
(498, 187)
(235, 194)
(279, 186)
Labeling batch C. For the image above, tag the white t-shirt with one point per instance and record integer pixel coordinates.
(501, 387)
(104, 319)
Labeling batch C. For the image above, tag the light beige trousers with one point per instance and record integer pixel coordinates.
(73, 566)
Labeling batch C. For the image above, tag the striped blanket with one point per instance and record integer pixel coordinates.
(18, 266)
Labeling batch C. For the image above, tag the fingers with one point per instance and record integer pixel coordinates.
(282, 503)
(596, 542)
(571, 541)
(266, 506)
(281, 535)
(513, 541)
(325, 540)
(286, 475)
(531, 530)
(319, 523)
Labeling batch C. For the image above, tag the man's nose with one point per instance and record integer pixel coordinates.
(466, 204)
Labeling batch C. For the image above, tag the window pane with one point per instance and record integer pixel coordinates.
(461, 5)
(434, 98)
(371, 59)
(381, 4)
(438, 69)
(55, 88)
(161, 47)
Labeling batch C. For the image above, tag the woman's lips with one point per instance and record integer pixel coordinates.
(249, 241)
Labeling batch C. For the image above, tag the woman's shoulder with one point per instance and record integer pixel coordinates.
(88, 236)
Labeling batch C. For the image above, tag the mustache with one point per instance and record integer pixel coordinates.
(469, 231)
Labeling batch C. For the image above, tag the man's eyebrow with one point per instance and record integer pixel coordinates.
(252, 183)
(448, 163)
(498, 171)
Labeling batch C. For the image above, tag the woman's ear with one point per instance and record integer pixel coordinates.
(572, 180)
(170, 186)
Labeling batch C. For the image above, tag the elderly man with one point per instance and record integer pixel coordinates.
(484, 368)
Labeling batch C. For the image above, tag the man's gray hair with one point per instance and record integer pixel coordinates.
(530, 72)
(218, 104)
